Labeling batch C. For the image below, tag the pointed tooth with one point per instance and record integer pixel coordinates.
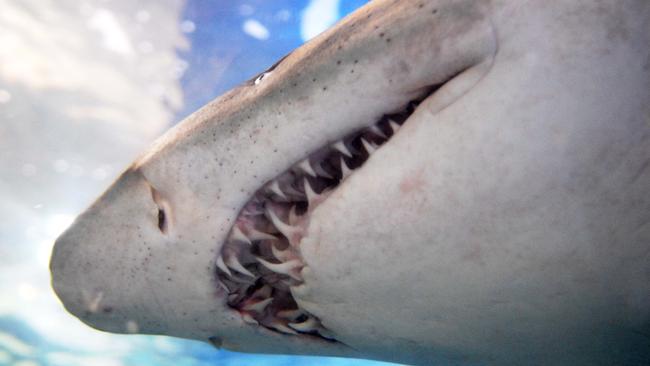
(243, 280)
(345, 170)
(222, 266)
(233, 263)
(308, 325)
(393, 125)
(293, 217)
(322, 172)
(370, 148)
(305, 166)
(285, 268)
(290, 314)
(292, 191)
(340, 146)
(309, 192)
(290, 232)
(282, 328)
(262, 292)
(258, 306)
(275, 188)
(377, 131)
(254, 234)
(281, 255)
(238, 235)
(224, 286)
(247, 318)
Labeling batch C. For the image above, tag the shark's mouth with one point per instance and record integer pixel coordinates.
(260, 261)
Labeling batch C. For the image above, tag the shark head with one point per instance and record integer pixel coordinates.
(394, 189)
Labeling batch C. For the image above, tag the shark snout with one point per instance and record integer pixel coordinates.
(74, 284)
(103, 266)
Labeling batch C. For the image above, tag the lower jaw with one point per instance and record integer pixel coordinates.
(260, 262)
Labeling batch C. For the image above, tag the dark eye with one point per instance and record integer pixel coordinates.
(162, 221)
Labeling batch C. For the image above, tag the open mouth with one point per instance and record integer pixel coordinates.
(260, 261)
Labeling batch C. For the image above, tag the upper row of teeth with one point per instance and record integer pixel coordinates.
(315, 170)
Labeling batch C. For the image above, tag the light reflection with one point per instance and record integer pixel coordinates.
(114, 36)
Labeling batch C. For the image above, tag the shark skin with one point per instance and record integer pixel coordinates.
(506, 222)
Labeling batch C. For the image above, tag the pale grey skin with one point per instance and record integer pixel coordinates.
(506, 223)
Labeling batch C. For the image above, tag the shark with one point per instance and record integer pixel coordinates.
(430, 182)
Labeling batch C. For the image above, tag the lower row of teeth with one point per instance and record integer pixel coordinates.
(260, 262)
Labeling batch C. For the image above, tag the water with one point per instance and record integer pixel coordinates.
(84, 87)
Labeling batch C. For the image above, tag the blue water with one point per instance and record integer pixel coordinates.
(70, 93)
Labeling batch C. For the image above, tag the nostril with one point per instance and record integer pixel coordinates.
(162, 221)
(163, 207)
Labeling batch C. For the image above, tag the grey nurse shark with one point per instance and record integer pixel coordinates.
(428, 182)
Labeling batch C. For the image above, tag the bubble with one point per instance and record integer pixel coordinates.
(255, 29)
(188, 26)
(179, 68)
(61, 166)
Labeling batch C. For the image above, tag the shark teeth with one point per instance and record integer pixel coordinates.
(254, 234)
(233, 262)
(236, 234)
(370, 148)
(275, 188)
(290, 314)
(340, 147)
(345, 170)
(309, 325)
(260, 262)
(222, 266)
(282, 328)
(285, 268)
(258, 306)
(292, 233)
(393, 126)
(306, 167)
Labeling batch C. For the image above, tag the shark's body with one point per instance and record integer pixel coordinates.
(507, 222)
